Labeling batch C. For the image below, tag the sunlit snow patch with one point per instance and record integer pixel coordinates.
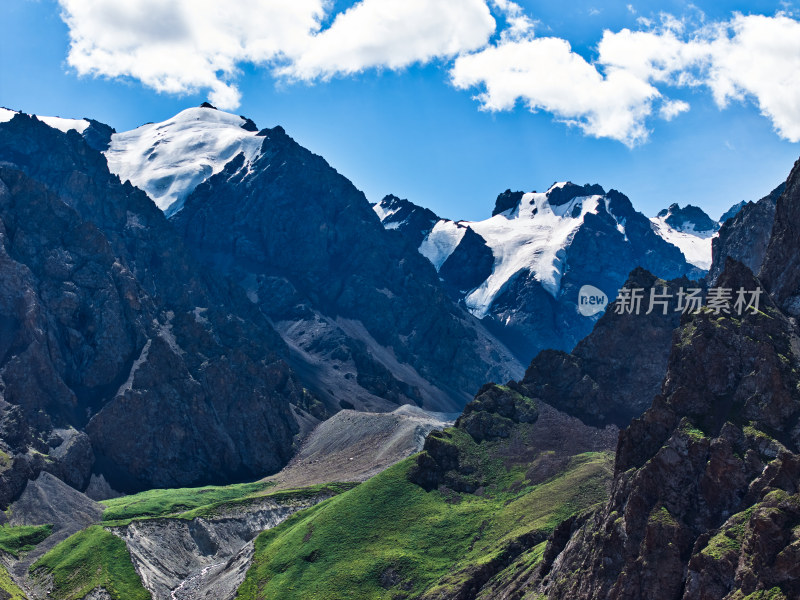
(168, 160)
(441, 242)
(64, 125)
(533, 239)
(695, 245)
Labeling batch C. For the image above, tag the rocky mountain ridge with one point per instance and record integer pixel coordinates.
(521, 271)
(364, 314)
(696, 476)
(745, 236)
(116, 342)
(130, 362)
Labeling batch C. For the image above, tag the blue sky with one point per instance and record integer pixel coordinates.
(393, 121)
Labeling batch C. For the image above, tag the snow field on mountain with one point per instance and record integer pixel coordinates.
(64, 125)
(168, 160)
(441, 242)
(695, 245)
(534, 237)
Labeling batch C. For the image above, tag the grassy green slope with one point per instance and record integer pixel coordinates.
(95, 557)
(162, 503)
(389, 536)
(90, 559)
(189, 503)
(8, 589)
(22, 538)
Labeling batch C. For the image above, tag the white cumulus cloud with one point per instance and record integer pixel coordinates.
(750, 57)
(759, 57)
(546, 74)
(189, 45)
(672, 108)
(186, 46)
(392, 34)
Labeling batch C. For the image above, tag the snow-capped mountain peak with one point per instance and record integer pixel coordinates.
(689, 219)
(522, 269)
(558, 185)
(59, 123)
(168, 160)
(533, 238)
(565, 191)
(690, 229)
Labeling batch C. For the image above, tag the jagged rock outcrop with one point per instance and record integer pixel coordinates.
(563, 194)
(415, 221)
(345, 293)
(111, 330)
(468, 266)
(732, 211)
(492, 415)
(745, 236)
(495, 411)
(98, 135)
(529, 432)
(781, 269)
(614, 373)
(686, 217)
(508, 200)
(721, 440)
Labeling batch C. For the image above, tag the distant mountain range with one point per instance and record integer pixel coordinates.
(521, 271)
(518, 273)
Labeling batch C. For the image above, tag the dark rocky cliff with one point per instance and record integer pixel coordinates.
(313, 255)
(614, 373)
(110, 330)
(781, 269)
(745, 236)
(705, 502)
(705, 489)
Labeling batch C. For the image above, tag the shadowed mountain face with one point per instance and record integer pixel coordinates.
(745, 236)
(614, 373)
(366, 317)
(705, 492)
(119, 355)
(705, 500)
(521, 271)
(144, 351)
(781, 269)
